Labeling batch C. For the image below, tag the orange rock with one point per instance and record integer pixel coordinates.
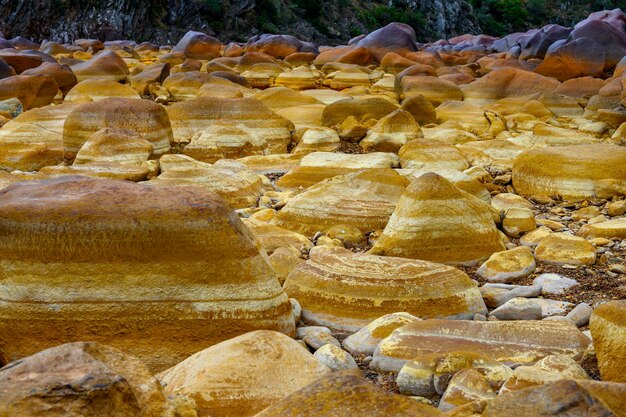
(197, 45)
(62, 75)
(106, 64)
(79, 379)
(142, 116)
(32, 90)
(88, 245)
(608, 329)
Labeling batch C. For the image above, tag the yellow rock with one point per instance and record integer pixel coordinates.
(225, 140)
(508, 265)
(508, 342)
(459, 179)
(392, 132)
(346, 291)
(188, 85)
(518, 221)
(196, 115)
(300, 78)
(318, 166)
(94, 89)
(284, 260)
(608, 329)
(572, 172)
(436, 221)
(466, 386)
(563, 248)
(141, 116)
(470, 117)
(239, 187)
(504, 201)
(303, 117)
(106, 65)
(322, 139)
(532, 239)
(424, 154)
(434, 89)
(615, 228)
(351, 237)
(551, 368)
(80, 379)
(34, 139)
(364, 341)
(115, 145)
(364, 199)
(347, 395)
(272, 237)
(277, 98)
(244, 375)
(82, 253)
(350, 77)
(361, 109)
(103, 169)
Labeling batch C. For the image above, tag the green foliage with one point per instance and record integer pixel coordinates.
(500, 17)
(383, 15)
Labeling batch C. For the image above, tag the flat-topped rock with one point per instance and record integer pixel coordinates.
(141, 116)
(364, 199)
(508, 342)
(243, 375)
(364, 341)
(346, 291)
(115, 145)
(203, 286)
(571, 172)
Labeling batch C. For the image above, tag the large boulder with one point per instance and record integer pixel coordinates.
(80, 379)
(278, 46)
(572, 172)
(198, 45)
(32, 90)
(106, 64)
(436, 221)
(345, 292)
(608, 328)
(158, 272)
(243, 375)
(509, 342)
(141, 116)
(347, 395)
(395, 37)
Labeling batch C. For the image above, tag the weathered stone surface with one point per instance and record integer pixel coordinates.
(572, 172)
(436, 221)
(345, 395)
(364, 199)
(551, 368)
(507, 82)
(239, 187)
(197, 45)
(554, 283)
(225, 140)
(335, 358)
(115, 145)
(94, 89)
(141, 116)
(32, 90)
(196, 115)
(362, 109)
(272, 237)
(427, 155)
(563, 248)
(106, 64)
(549, 400)
(608, 328)
(509, 342)
(80, 379)
(508, 265)
(391, 132)
(34, 139)
(243, 375)
(395, 37)
(615, 228)
(344, 291)
(364, 341)
(59, 293)
(466, 386)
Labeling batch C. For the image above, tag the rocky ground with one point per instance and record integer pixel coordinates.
(278, 228)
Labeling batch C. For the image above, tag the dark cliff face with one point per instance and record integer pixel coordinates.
(165, 21)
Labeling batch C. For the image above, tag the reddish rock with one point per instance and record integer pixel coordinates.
(198, 45)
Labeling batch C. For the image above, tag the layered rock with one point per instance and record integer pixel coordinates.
(94, 89)
(572, 172)
(224, 140)
(391, 132)
(344, 395)
(608, 328)
(363, 199)
(196, 115)
(141, 116)
(231, 378)
(436, 221)
(155, 261)
(78, 379)
(106, 64)
(34, 139)
(508, 342)
(345, 292)
(115, 145)
(239, 187)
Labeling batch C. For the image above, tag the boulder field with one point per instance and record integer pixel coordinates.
(279, 228)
